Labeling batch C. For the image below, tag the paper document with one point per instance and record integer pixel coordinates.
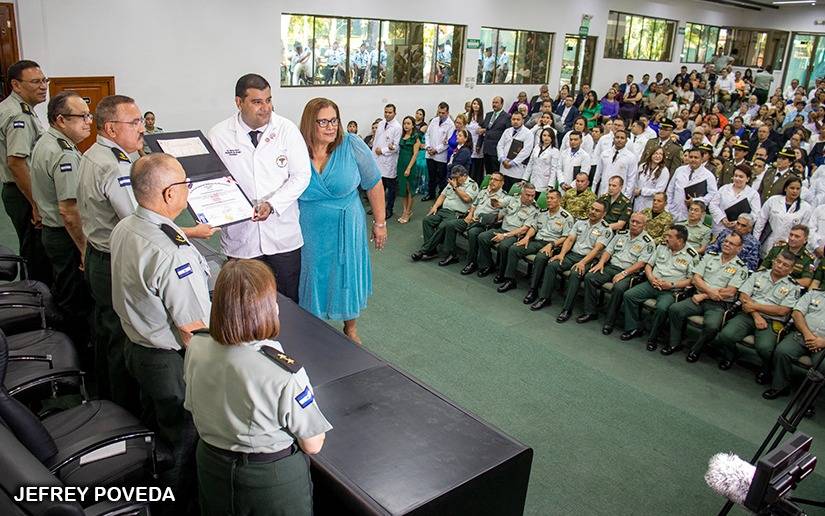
(219, 202)
(183, 147)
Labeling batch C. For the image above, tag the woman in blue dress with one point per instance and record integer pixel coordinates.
(336, 278)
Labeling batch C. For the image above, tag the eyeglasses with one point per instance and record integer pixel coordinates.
(87, 117)
(187, 182)
(325, 122)
(134, 123)
(38, 82)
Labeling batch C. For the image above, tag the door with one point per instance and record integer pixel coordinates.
(92, 89)
(9, 53)
(577, 60)
(806, 59)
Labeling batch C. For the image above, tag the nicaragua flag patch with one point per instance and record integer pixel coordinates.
(19, 124)
(306, 398)
(65, 167)
(184, 270)
(124, 181)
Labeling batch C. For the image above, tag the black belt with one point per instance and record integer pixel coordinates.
(102, 254)
(252, 457)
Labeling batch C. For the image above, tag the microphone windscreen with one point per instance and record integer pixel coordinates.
(730, 476)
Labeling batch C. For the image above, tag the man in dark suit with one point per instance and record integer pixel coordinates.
(763, 139)
(535, 102)
(567, 113)
(582, 94)
(494, 124)
(625, 86)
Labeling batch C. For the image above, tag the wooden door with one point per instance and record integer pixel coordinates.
(9, 53)
(92, 89)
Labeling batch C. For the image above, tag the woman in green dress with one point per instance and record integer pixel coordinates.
(591, 109)
(407, 171)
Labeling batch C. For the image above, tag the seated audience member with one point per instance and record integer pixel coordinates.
(670, 268)
(808, 339)
(625, 255)
(716, 278)
(750, 245)
(454, 202)
(616, 204)
(803, 269)
(516, 215)
(578, 200)
(658, 219)
(698, 233)
(546, 235)
(567, 114)
(481, 216)
(767, 298)
(584, 243)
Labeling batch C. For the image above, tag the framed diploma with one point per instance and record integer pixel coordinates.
(219, 202)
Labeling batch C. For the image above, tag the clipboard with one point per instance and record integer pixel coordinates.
(697, 190)
(732, 212)
(515, 148)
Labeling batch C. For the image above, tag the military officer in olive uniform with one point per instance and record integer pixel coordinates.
(54, 173)
(808, 339)
(161, 294)
(19, 130)
(586, 241)
(577, 201)
(670, 268)
(803, 269)
(626, 254)
(698, 233)
(774, 179)
(740, 156)
(658, 219)
(767, 299)
(517, 214)
(546, 235)
(617, 206)
(717, 279)
(453, 203)
(673, 151)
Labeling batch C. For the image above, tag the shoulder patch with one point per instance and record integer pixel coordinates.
(280, 358)
(173, 235)
(25, 108)
(64, 144)
(807, 254)
(647, 238)
(691, 251)
(18, 124)
(124, 181)
(792, 280)
(306, 398)
(120, 155)
(183, 270)
(65, 167)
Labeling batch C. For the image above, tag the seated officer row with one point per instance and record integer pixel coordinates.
(600, 254)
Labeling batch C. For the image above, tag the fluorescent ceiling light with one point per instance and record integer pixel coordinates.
(781, 2)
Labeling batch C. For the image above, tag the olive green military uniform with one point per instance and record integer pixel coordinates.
(762, 289)
(792, 348)
(802, 269)
(658, 224)
(725, 177)
(160, 286)
(54, 170)
(513, 215)
(618, 210)
(247, 459)
(717, 274)
(673, 153)
(549, 227)
(587, 237)
(819, 274)
(669, 266)
(578, 203)
(452, 227)
(771, 186)
(104, 197)
(699, 234)
(19, 130)
(451, 209)
(624, 251)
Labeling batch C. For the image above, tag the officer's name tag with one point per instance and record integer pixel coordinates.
(65, 167)
(124, 181)
(184, 270)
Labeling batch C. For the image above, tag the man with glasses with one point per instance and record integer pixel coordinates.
(19, 130)
(268, 157)
(750, 245)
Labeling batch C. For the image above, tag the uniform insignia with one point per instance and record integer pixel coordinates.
(120, 155)
(65, 167)
(713, 253)
(25, 108)
(730, 270)
(281, 358)
(739, 262)
(792, 280)
(692, 252)
(64, 144)
(306, 398)
(621, 231)
(124, 181)
(183, 270)
(779, 243)
(173, 235)
(605, 224)
(18, 124)
(281, 161)
(564, 213)
(646, 238)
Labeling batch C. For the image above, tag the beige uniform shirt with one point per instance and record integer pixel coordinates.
(19, 130)
(812, 306)
(54, 172)
(733, 273)
(516, 214)
(482, 202)
(453, 202)
(588, 235)
(552, 226)
(762, 289)
(671, 266)
(625, 250)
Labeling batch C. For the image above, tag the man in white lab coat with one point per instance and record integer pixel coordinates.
(514, 147)
(620, 161)
(385, 148)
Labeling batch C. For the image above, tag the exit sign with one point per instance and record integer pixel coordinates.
(473, 43)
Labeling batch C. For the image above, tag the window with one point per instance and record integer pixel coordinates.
(514, 56)
(330, 51)
(702, 42)
(759, 47)
(639, 38)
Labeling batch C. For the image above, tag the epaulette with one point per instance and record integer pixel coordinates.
(779, 243)
(25, 108)
(605, 224)
(647, 238)
(64, 144)
(280, 358)
(564, 214)
(623, 196)
(622, 231)
(792, 280)
(713, 253)
(807, 253)
(120, 155)
(173, 235)
(691, 251)
(739, 262)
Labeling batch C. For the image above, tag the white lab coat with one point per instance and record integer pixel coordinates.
(636, 143)
(727, 197)
(437, 137)
(649, 185)
(543, 169)
(587, 143)
(277, 171)
(387, 133)
(537, 129)
(816, 223)
(516, 169)
(473, 128)
(683, 178)
(625, 165)
(568, 164)
(781, 220)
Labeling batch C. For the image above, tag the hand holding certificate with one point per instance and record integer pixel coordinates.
(219, 202)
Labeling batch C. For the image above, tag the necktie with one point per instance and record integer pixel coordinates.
(385, 125)
(253, 135)
(615, 155)
(493, 119)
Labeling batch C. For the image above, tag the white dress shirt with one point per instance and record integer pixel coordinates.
(568, 163)
(388, 133)
(624, 165)
(277, 172)
(516, 169)
(438, 137)
(682, 178)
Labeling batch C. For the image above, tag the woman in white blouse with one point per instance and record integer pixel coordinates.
(476, 116)
(543, 169)
(732, 194)
(780, 213)
(653, 177)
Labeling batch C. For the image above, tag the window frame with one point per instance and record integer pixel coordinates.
(614, 50)
(516, 58)
(703, 42)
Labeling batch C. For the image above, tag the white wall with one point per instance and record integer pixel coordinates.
(181, 58)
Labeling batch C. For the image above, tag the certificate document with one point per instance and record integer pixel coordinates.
(219, 202)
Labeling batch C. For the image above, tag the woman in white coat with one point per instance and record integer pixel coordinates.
(543, 169)
(779, 214)
(731, 194)
(653, 177)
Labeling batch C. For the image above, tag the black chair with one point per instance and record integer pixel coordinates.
(24, 304)
(40, 358)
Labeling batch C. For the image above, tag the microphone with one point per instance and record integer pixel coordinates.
(730, 476)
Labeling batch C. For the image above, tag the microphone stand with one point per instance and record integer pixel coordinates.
(789, 420)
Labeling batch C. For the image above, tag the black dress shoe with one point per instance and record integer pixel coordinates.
(563, 316)
(669, 350)
(499, 279)
(449, 260)
(469, 269)
(772, 394)
(509, 284)
(652, 345)
(486, 271)
(428, 255)
(632, 334)
(531, 296)
(607, 329)
(692, 357)
(540, 303)
(583, 318)
(416, 256)
(763, 378)
(724, 365)
(811, 412)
